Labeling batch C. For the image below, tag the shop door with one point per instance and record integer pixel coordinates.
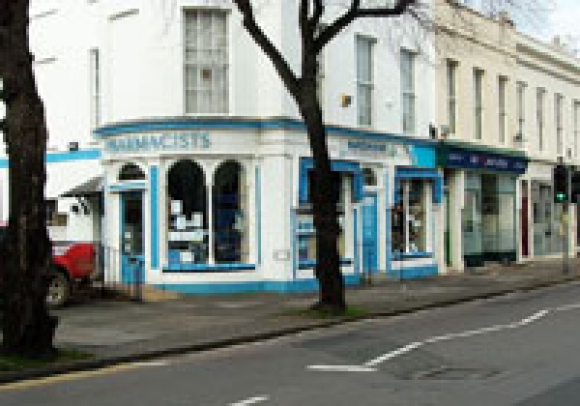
(447, 224)
(132, 259)
(472, 229)
(370, 244)
(524, 220)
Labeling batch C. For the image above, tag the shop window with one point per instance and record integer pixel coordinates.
(187, 214)
(370, 179)
(130, 172)
(410, 216)
(306, 238)
(230, 209)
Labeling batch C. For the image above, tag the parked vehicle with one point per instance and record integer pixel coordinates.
(72, 266)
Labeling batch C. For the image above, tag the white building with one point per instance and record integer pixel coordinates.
(185, 130)
(548, 127)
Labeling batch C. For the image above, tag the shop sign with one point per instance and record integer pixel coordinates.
(171, 141)
(370, 149)
(482, 160)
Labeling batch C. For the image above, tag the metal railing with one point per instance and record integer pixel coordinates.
(117, 275)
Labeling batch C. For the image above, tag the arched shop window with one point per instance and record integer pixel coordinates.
(230, 214)
(410, 216)
(187, 214)
(131, 172)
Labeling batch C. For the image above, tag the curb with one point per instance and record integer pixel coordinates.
(89, 365)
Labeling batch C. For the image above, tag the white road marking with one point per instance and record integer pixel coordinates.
(368, 366)
(251, 401)
(341, 368)
(152, 363)
(393, 354)
(533, 317)
(565, 308)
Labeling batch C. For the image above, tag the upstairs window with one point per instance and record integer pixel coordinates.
(95, 86)
(521, 106)
(576, 126)
(478, 102)
(408, 90)
(502, 87)
(558, 103)
(540, 96)
(206, 62)
(364, 76)
(452, 95)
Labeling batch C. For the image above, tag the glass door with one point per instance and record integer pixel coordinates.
(132, 258)
(472, 223)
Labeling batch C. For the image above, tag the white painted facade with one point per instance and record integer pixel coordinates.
(141, 82)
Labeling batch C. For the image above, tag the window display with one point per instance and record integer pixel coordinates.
(187, 214)
(188, 209)
(410, 215)
(229, 214)
(306, 233)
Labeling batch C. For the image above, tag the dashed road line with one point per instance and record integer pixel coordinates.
(369, 366)
(341, 368)
(251, 401)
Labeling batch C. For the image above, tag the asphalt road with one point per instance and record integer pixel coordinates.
(522, 349)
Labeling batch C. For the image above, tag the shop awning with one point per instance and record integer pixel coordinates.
(92, 187)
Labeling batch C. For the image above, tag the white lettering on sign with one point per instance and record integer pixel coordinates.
(175, 141)
(370, 149)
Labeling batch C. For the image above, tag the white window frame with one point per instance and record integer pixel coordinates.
(558, 106)
(409, 117)
(321, 73)
(576, 108)
(478, 78)
(540, 112)
(521, 106)
(368, 85)
(95, 87)
(451, 71)
(502, 96)
(227, 97)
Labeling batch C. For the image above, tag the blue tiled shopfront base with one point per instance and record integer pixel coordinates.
(298, 285)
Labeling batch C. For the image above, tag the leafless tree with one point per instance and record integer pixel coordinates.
(28, 328)
(302, 86)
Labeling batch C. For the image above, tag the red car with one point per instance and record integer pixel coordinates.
(72, 265)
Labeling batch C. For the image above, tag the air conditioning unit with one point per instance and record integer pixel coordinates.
(444, 131)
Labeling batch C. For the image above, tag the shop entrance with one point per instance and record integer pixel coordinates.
(524, 220)
(370, 233)
(132, 259)
(472, 223)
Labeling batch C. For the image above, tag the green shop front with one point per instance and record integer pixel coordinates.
(488, 204)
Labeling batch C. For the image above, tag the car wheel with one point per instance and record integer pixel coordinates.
(59, 289)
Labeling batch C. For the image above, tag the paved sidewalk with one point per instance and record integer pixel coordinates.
(119, 331)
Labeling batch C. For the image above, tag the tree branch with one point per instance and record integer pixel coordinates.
(318, 12)
(337, 26)
(356, 11)
(399, 8)
(280, 64)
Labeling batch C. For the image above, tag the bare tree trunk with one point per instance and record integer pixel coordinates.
(325, 193)
(28, 328)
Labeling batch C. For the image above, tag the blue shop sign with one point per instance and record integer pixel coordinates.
(171, 141)
(460, 158)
